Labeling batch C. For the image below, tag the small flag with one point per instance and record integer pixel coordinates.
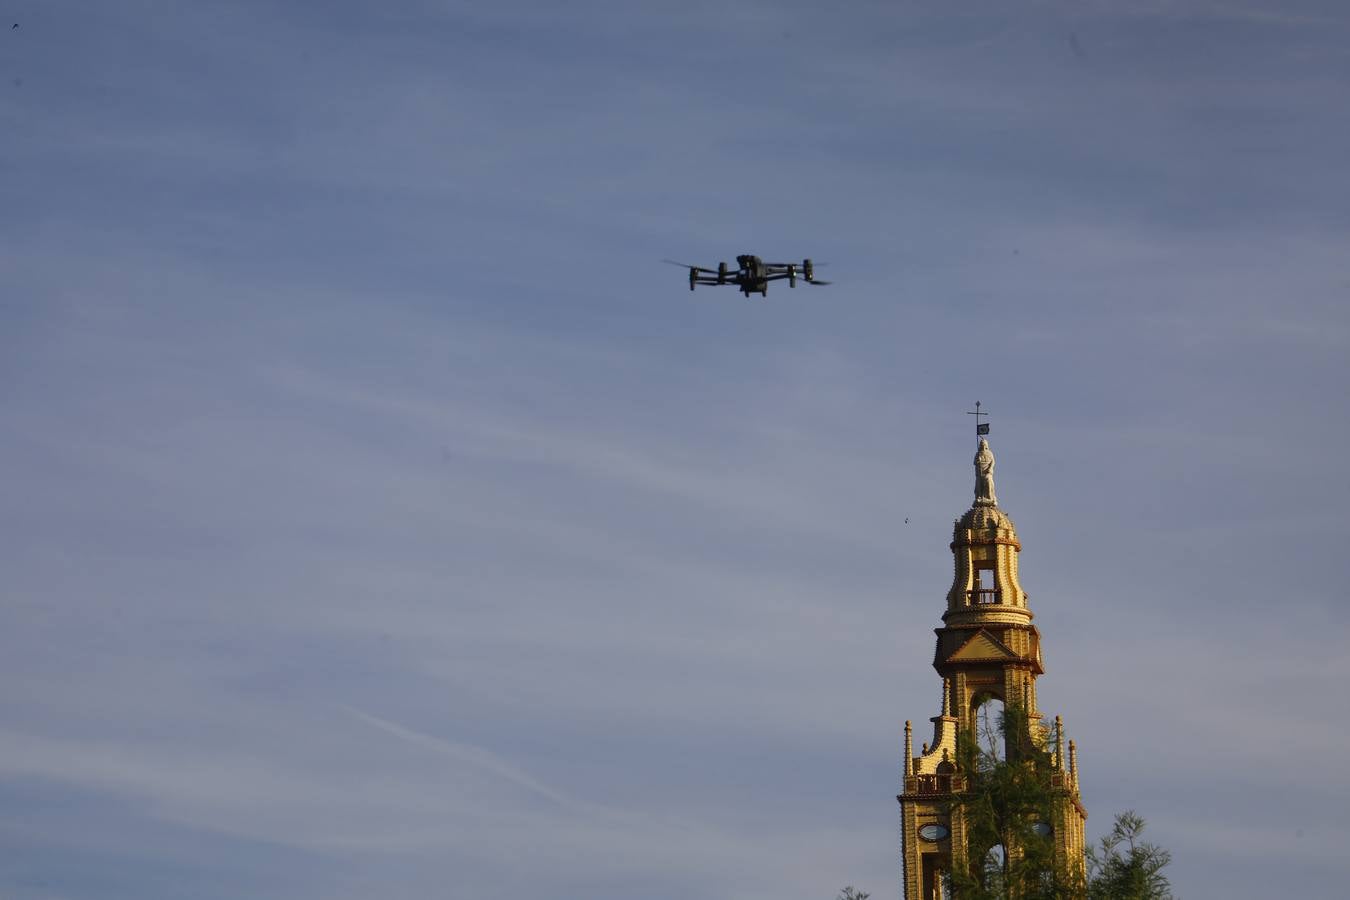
(982, 428)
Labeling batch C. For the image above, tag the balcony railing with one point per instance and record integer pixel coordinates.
(934, 784)
(984, 597)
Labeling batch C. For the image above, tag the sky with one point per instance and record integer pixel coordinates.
(381, 518)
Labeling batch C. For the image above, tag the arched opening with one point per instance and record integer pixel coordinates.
(994, 870)
(986, 717)
(937, 878)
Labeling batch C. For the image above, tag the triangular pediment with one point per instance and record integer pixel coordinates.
(981, 646)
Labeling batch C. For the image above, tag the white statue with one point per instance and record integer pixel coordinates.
(984, 476)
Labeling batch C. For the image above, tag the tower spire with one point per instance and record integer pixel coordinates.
(1059, 743)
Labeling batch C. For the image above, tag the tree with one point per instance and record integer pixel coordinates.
(849, 893)
(1135, 874)
(1003, 800)
(1006, 795)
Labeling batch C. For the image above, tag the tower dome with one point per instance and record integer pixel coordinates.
(985, 518)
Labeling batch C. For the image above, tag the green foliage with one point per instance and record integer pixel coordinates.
(1005, 797)
(1125, 867)
(1122, 868)
(1003, 800)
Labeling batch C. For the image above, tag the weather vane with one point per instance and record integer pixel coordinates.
(980, 427)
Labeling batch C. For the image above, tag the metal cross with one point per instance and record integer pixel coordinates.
(980, 427)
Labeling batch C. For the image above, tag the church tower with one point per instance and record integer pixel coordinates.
(987, 650)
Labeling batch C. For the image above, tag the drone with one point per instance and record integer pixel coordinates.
(752, 274)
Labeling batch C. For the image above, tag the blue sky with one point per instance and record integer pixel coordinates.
(382, 519)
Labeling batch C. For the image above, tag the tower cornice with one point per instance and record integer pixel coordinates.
(986, 542)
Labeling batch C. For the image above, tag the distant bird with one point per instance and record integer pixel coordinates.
(906, 520)
(15, 25)
(1077, 47)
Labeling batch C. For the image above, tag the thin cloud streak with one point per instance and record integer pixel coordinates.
(475, 756)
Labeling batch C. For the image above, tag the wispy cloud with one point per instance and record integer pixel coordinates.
(466, 753)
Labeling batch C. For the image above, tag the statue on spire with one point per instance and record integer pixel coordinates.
(984, 476)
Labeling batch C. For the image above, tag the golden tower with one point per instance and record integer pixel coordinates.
(987, 649)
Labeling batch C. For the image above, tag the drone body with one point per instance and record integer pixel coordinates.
(752, 274)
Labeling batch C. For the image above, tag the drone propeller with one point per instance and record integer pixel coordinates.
(687, 266)
(817, 281)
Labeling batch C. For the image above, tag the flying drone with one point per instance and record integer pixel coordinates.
(752, 274)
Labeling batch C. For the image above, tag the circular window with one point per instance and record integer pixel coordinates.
(933, 832)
